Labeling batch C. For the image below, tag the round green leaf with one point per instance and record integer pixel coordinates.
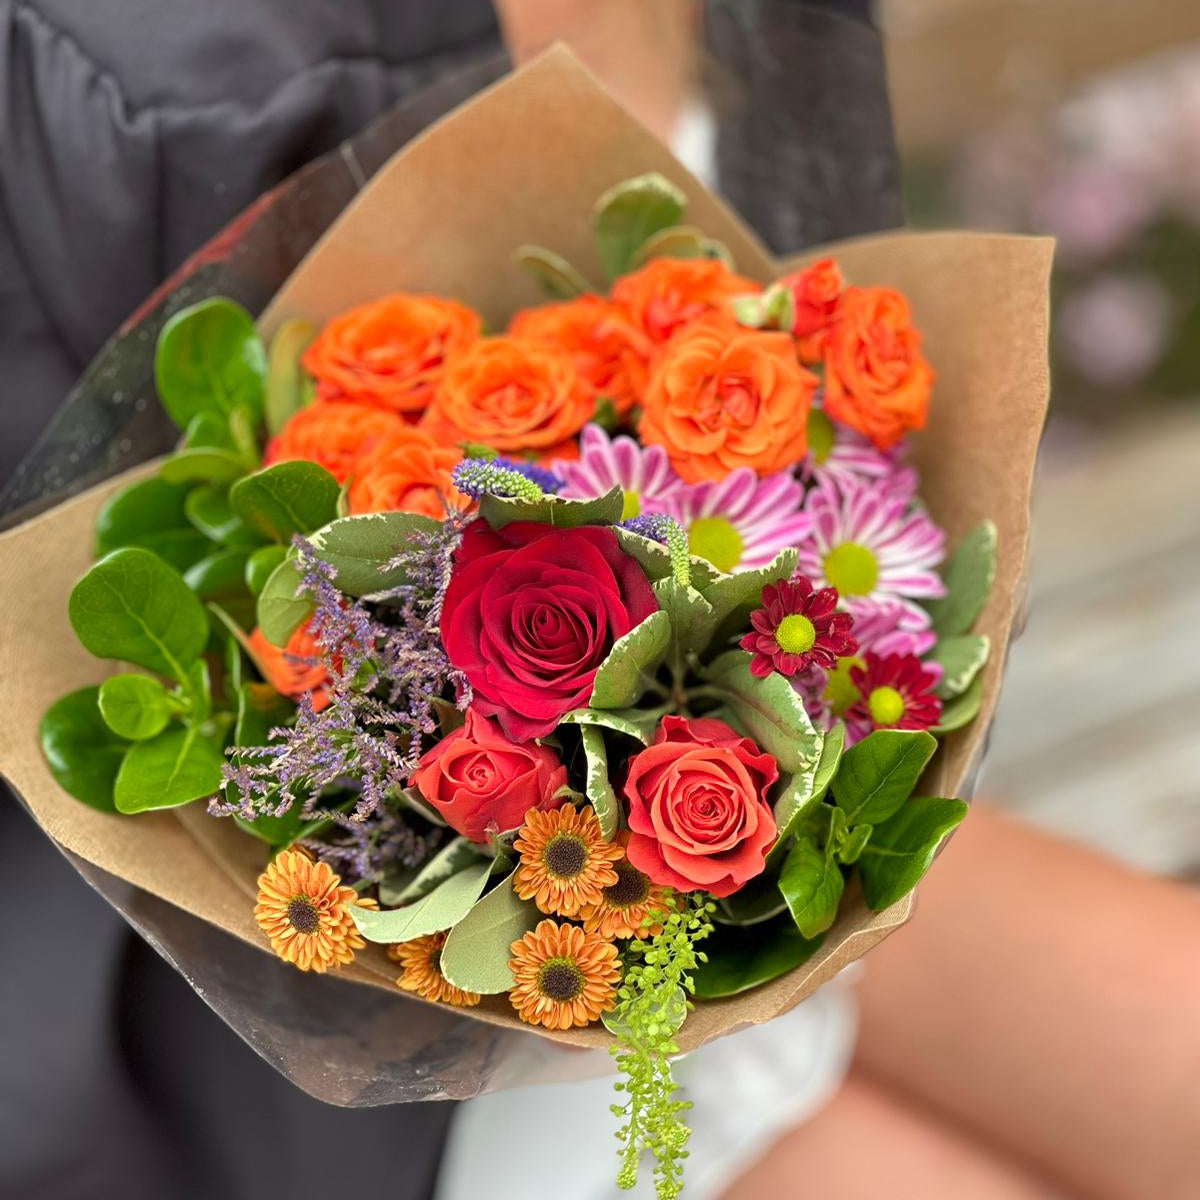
(279, 610)
(175, 768)
(151, 514)
(629, 213)
(133, 607)
(358, 548)
(289, 388)
(208, 509)
(134, 706)
(288, 498)
(83, 754)
(260, 566)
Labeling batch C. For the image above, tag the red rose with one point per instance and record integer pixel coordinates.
(817, 291)
(698, 812)
(479, 780)
(530, 614)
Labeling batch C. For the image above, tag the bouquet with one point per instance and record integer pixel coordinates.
(582, 664)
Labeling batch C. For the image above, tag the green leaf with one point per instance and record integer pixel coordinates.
(442, 909)
(557, 276)
(853, 843)
(629, 213)
(638, 723)
(260, 708)
(281, 832)
(681, 241)
(202, 465)
(743, 957)
(802, 792)
(260, 566)
(961, 657)
(655, 560)
(554, 510)
(220, 576)
(151, 514)
(134, 706)
(693, 621)
(736, 596)
(453, 857)
(811, 883)
(831, 756)
(902, 848)
(280, 611)
(476, 953)
(209, 510)
(599, 788)
(197, 690)
(133, 607)
(82, 752)
(358, 547)
(962, 709)
(769, 711)
(968, 575)
(175, 768)
(622, 676)
(288, 387)
(210, 359)
(288, 498)
(757, 901)
(878, 774)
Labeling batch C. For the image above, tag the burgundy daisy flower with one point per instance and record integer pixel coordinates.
(797, 627)
(895, 691)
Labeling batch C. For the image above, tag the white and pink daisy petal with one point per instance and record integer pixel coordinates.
(836, 452)
(870, 543)
(643, 473)
(742, 522)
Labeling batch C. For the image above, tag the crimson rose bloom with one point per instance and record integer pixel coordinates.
(530, 614)
(479, 780)
(698, 812)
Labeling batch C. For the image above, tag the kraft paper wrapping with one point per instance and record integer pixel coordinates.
(524, 162)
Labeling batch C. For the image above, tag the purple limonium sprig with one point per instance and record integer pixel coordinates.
(366, 851)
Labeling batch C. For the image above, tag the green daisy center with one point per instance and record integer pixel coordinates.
(633, 506)
(820, 435)
(852, 568)
(795, 634)
(885, 705)
(560, 979)
(840, 690)
(303, 915)
(717, 540)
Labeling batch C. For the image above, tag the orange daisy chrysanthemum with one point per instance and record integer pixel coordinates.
(565, 861)
(305, 911)
(565, 976)
(421, 960)
(631, 907)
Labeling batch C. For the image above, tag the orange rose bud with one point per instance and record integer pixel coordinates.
(876, 379)
(511, 395)
(296, 669)
(724, 397)
(406, 471)
(816, 291)
(668, 293)
(390, 352)
(333, 433)
(610, 353)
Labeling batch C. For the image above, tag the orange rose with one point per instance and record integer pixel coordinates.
(876, 379)
(333, 433)
(292, 671)
(407, 471)
(510, 395)
(816, 291)
(667, 293)
(390, 352)
(610, 352)
(724, 397)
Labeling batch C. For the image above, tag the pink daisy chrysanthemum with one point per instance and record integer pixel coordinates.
(797, 627)
(895, 691)
(742, 522)
(836, 452)
(881, 627)
(869, 543)
(643, 473)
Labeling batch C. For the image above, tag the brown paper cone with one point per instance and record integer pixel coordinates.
(524, 162)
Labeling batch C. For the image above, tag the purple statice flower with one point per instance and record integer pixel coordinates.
(741, 522)
(366, 851)
(871, 543)
(643, 473)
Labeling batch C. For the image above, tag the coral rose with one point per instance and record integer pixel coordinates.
(816, 292)
(723, 397)
(876, 379)
(296, 669)
(668, 293)
(512, 396)
(332, 433)
(610, 353)
(698, 812)
(481, 781)
(390, 352)
(532, 611)
(406, 471)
